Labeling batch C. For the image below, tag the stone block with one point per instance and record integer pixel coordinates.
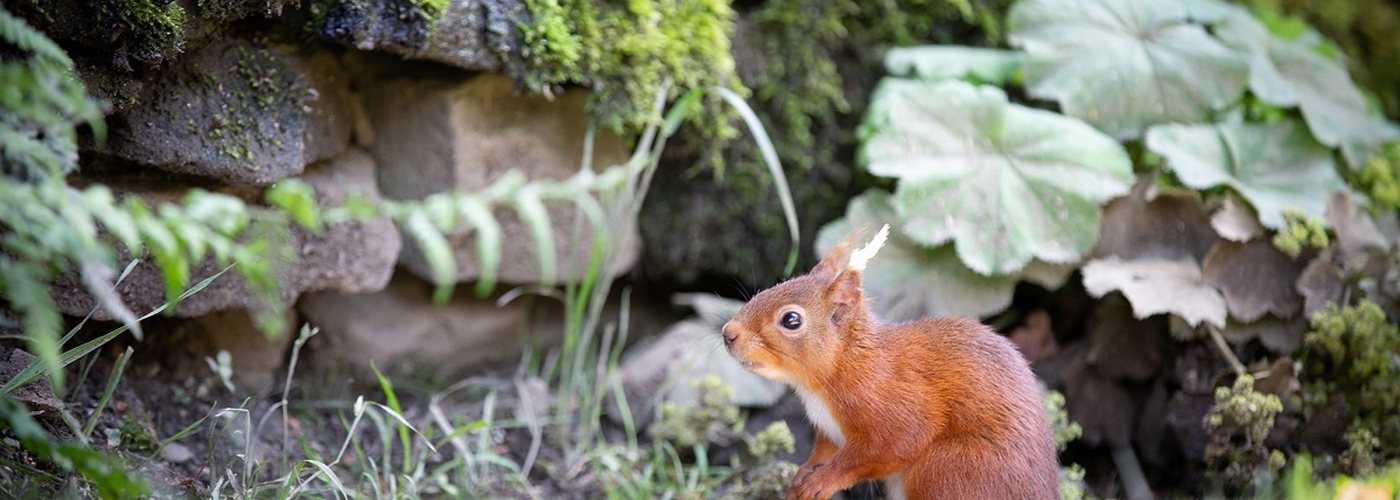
(404, 334)
(431, 137)
(468, 34)
(241, 112)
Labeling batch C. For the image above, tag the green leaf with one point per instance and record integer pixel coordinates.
(907, 280)
(488, 240)
(1292, 72)
(536, 218)
(437, 251)
(1275, 166)
(1123, 65)
(297, 199)
(1007, 183)
(940, 62)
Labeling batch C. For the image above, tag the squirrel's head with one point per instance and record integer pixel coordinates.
(797, 328)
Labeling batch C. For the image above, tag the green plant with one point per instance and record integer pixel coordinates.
(1350, 354)
(1238, 423)
(1160, 89)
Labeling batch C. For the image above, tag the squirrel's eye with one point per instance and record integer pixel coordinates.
(791, 320)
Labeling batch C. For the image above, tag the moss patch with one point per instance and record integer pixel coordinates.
(623, 54)
(148, 30)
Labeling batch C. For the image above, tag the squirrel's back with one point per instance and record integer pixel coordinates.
(995, 441)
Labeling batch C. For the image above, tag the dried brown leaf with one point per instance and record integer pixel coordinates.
(1152, 223)
(1157, 287)
(1122, 346)
(1236, 220)
(1035, 339)
(1283, 336)
(1103, 407)
(1255, 278)
(1320, 283)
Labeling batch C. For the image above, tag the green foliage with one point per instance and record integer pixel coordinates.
(1300, 483)
(1300, 231)
(43, 102)
(1238, 424)
(149, 30)
(1124, 65)
(1351, 352)
(805, 39)
(1364, 30)
(108, 476)
(714, 419)
(1277, 166)
(1380, 178)
(1065, 430)
(624, 53)
(1004, 182)
(1198, 88)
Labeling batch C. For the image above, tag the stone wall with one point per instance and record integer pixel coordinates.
(353, 98)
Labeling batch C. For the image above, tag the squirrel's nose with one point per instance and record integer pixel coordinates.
(729, 335)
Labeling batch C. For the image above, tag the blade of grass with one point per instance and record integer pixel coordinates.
(36, 369)
(392, 398)
(775, 168)
(107, 393)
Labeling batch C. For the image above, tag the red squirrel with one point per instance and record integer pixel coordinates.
(940, 408)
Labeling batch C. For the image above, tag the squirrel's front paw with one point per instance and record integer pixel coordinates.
(810, 483)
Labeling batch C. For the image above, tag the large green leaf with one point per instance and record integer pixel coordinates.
(1124, 65)
(936, 62)
(1007, 183)
(1289, 73)
(1275, 166)
(907, 280)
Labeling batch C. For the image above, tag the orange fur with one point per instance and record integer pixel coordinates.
(946, 404)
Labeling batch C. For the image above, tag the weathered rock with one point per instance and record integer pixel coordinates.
(404, 334)
(38, 395)
(348, 256)
(244, 113)
(256, 358)
(432, 137)
(469, 34)
(665, 369)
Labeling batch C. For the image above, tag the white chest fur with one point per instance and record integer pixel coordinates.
(821, 417)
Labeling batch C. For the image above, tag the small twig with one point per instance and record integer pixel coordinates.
(1225, 350)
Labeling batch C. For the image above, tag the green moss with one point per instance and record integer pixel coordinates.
(1300, 231)
(624, 52)
(1352, 352)
(1380, 178)
(148, 30)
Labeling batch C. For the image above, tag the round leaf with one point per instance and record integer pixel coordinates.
(1156, 286)
(1007, 183)
(1275, 166)
(1123, 65)
(907, 280)
(1291, 73)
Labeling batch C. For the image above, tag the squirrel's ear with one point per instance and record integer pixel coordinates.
(839, 257)
(844, 293)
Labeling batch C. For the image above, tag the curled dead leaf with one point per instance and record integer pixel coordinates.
(1158, 286)
(1153, 223)
(1236, 220)
(1122, 346)
(1255, 278)
(1282, 336)
(1319, 284)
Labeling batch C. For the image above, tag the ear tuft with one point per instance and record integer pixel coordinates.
(863, 256)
